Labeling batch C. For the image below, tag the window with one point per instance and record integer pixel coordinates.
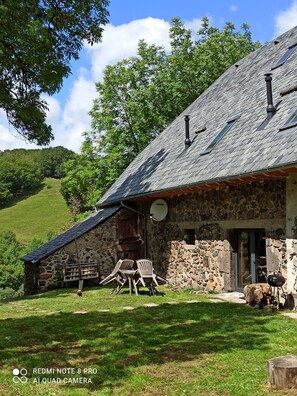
(189, 236)
(292, 121)
(285, 56)
(219, 137)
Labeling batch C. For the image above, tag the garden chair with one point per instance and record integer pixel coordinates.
(117, 276)
(127, 264)
(113, 276)
(147, 276)
(126, 274)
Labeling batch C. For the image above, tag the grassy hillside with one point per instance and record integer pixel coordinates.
(35, 215)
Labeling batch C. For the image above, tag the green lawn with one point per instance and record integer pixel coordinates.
(35, 215)
(203, 348)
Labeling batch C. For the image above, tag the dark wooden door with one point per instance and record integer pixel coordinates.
(129, 241)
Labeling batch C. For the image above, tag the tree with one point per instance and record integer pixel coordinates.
(17, 177)
(38, 39)
(51, 161)
(124, 118)
(85, 179)
(141, 95)
(11, 267)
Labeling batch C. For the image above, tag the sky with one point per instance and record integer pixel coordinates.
(130, 21)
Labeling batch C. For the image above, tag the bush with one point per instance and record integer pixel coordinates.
(8, 293)
(11, 267)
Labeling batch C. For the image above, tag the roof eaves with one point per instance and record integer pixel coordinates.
(189, 186)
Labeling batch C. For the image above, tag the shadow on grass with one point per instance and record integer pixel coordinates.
(73, 287)
(115, 343)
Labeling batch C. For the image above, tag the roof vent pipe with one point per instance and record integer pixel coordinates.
(270, 108)
(187, 131)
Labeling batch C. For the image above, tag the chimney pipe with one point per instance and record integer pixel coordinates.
(270, 108)
(187, 132)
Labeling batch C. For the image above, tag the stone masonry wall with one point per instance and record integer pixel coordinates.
(206, 264)
(97, 245)
(291, 234)
(214, 215)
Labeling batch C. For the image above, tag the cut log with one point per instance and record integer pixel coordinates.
(282, 371)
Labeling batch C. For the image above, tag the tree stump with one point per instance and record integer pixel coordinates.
(282, 371)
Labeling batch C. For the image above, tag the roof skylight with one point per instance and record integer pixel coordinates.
(285, 56)
(291, 122)
(219, 137)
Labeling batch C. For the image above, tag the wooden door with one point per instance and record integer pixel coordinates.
(129, 241)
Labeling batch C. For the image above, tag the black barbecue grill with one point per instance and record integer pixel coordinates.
(277, 281)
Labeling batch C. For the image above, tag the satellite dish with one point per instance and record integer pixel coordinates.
(159, 210)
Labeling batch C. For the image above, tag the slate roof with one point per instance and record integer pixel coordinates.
(166, 165)
(63, 239)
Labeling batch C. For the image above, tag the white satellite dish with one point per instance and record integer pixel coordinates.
(159, 210)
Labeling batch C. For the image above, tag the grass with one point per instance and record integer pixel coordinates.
(35, 215)
(203, 348)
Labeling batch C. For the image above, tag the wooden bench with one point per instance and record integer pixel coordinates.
(75, 272)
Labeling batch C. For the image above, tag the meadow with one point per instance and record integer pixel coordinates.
(175, 343)
(35, 215)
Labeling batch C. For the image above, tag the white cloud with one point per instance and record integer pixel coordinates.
(70, 119)
(193, 25)
(233, 8)
(287, 19)
(76, 119)
(119, 42)
(54, 109)
(9, 138)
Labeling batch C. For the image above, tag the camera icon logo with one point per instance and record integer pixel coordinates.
(20, 375)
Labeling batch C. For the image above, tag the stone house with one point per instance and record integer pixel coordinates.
(212, 200)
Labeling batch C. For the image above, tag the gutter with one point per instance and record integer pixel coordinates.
(145, 225)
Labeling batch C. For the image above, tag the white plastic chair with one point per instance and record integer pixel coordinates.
(147, 276)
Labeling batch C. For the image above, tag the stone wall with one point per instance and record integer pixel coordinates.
(208, 262)
(214, 215)
(291, 234)
(97, 245)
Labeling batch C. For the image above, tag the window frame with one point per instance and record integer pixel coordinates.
(289, 124)
(230, 123)
(285, 56)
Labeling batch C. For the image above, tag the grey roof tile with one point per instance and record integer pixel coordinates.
(69, 235)
(165, 164)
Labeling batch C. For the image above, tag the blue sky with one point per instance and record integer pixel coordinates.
(129, 21)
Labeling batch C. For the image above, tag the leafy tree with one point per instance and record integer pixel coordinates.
(17, 177)
(11, 267)
(141, 95)
(51, 161)
(38, 40)
(124, 118)
(5, 192)
(80, 187)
